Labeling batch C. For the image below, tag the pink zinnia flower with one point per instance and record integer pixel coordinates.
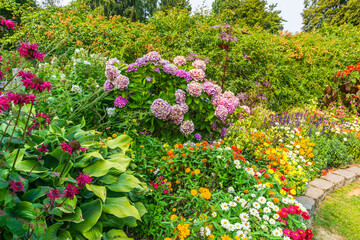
(1, 75)
(30, 50)
(16, 186)
(71, 191)
(83, 179)
(53, 194)
(21, 98)
(41, 121)
(43, 148)
(287, 232)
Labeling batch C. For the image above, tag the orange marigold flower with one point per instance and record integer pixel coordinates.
(174, 209)
(226, 237)
(204, 160)
(187, 170)
(194, 192)
(234, 148)
(197, 171)
(173, 217)
(246, 191)
(204, 148)
(177, 182)
(204, 143)
(275, 200)
(184, 155)
(181, 146)
(191, 148)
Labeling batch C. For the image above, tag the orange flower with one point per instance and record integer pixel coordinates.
(181, 146)
(184, 155)
(177, 182)
(275, 200)
(234, 148)
(197, 171)
(187, 170)
(194, 192)
(246, 191)
(266, 175)
(204, 160)
(204, 143)
(191, 148)
(204, 148)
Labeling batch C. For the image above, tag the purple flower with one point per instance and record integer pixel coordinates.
(187, 127)
(197, 136)
(108, 86)
(170, 69)
(120, 102)
(160, 109)
(153, 57)
(149, 79)
(132, 67)
(53, 194)
(180, 96)
(176, 114)
(16, 186)
(141, 62)
(121, 82)
(83, 179)
(194, 89)
(71, 191)
(213, 126)
(164, 62)
(209, 88)
(183, 74)
(43, 148)
(111, 72)
(184, 107)
(221, 112)
(224, 131)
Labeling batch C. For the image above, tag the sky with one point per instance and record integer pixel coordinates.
(290, 11)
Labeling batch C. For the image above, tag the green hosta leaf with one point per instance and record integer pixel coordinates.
(15, 227)
(91, 144)
(122, 141)
(91, 214)
(69, 205)
(112, 221)
(99, 191)
(56, 130)
(87, 138)
(121, 208)
(130, 221)
(108, 178)
(117, 234)
(126, 183)
(51, 232)
(141, 208)
(33, 194)
(37, 139)
(64, 235)
(3, 183)
(75, 217)
(28, 165)
(95, 233)
(22, 210)
(101, 167)
(84, 160)
(10, 159)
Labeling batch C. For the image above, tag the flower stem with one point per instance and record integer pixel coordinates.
(7, 126)
(32, 169)
(63, 169)
(12, 134)
(23, 136)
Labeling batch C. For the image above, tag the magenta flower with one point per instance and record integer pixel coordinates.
(30, 51)
(4, 104)
(73, 146)
(71, 191)
(21, 98)
(16, 186)
(1, 75)
(41, 121)
(30, 81)
(120, 102)
(53, 194)
(108, 86)
(83, 179)
(160, 109)
(10, 24)
(43, 148)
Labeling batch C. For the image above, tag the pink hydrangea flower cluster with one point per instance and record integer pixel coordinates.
(170, 69)
(153, 57)
(209, 88)
(180, 60)
(176, 114)
(30, 50)
(197, 74)
(221, 112)
(160, 109)
(194, 89)
(187, 127)
(199, 64)
(180, 96)
(111, 71)
(121, 82)
(120, 102)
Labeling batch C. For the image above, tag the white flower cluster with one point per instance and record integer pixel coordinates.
(76, 88)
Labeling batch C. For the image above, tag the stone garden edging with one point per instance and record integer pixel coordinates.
(319, 188)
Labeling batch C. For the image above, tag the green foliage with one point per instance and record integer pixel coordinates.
(317, 13)
(166, 5)
(250, 13)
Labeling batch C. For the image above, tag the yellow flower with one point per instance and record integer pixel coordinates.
(174, 209)
(109, 138)
(212, 236)
(183, 230)
(197, 171)
(135, 130)
(134, 120)
(226, 237)
(167, 238)
(293, 191)
(187, 170)
(173, 217)
(271, 171)
(114, 135)
(194, 192)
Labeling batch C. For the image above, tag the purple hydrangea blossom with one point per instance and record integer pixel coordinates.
(180, 96)
(160, 109)
(183, 74)
(121, 82)
(157, 70)
(108, 86)
(176, 114)
(132, 67)
(184, 107)
(194, 89)
(221, 113)
(164, 62)
(111, 72)
(224, 131)
(170, 69)
(153, 57)
(209, 88)
(187, 127)
(197, 136)
(141, 62)
(120, 102)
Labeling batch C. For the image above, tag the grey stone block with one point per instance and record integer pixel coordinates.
(322, 184)
(337, 180)
(355, 170)
(349, 176)
(315, 193)
(307, 202)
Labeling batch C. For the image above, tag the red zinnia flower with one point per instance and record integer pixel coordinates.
(16, 186)
(309, 234)
(30, 50)
(83, 179)
(42, 121)
(283, 214)
(305, 215)
(43, 148)
(53, 194)
(21, 98)
(71, 191)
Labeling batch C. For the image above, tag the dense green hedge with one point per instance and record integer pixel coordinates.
(298, 66)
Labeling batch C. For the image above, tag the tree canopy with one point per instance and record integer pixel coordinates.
(334, 12)
(250, 13)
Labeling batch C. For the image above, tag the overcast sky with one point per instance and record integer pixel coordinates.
(290, 11)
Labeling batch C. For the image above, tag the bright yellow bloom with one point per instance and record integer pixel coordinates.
(226, 237)
(109, 138)
(212, 236)
(174, 209)
(271, 171)
(173, 217)
(183, 230)
(187, 170)
(134, 120)
(194, 192)
(167, 238)
(197, 171)
(293, 191)
(114, 135)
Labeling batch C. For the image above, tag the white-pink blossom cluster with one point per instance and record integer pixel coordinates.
(197, 74)
(180, 60)
(194, 89)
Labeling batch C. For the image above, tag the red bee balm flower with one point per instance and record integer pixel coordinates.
(71, 191)
(4, 104)
(53, 194)
(83, 179)
(73, 146)
(30, 50)
(10, 24)
(43, 148)
(21, 98)
(30, 81)
(42, 121)
(16, 186)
